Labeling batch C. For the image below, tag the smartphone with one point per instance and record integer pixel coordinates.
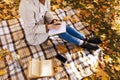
(61, 58)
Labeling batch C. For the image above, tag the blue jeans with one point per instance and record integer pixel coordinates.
(72, 35)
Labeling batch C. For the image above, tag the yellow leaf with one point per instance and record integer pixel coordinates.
(106, 57)
(2, 72)
(86, 78)
(1, 5)
(7, 1)
(103, 36)
(54, 7)
(118, 60)
(89, 6)
(64, 3)
(59, 1)
(14, 13)
(62, 49)
(96, 1)
(101, 73)
(117, 68)
(74, 19)
(5, 11)
(78, 14)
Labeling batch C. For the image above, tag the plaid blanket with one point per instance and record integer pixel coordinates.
(79, 63)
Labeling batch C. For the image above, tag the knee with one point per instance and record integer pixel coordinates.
(67, 26)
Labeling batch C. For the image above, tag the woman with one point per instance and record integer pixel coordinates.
(33, 14)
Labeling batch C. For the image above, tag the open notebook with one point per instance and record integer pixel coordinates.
(62, 29)
(40, 68)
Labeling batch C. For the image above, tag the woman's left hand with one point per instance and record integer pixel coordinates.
(57, 23)
(53, 26)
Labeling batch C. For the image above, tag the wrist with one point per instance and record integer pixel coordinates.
(53, 21)
(46, 28)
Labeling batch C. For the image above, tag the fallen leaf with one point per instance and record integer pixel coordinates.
(2, 72)
(66, 18)
(7, 1)
(117, 67)
(59, 1)
(101, 73)
(62, 49)
(1, 5)
(107, 59)
(54, 7)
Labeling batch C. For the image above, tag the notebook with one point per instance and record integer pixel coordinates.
(62, 29)
(40, 68)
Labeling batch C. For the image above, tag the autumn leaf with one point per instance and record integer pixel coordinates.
(7, 1)
(89, 6)
(62, 49)
(54, 7)
(2, 72)
(1, 5)
(66, 18)
(4, 53)
(85, 79)
(117, 67)
(79, 15)
(96, 1)
(101, 73)
(74, 20)
(85, 13)
(59, 1)
(107, 58)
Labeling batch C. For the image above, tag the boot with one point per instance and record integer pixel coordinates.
(94, 40)
(89, 46)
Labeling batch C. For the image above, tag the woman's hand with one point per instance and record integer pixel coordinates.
(56, 25)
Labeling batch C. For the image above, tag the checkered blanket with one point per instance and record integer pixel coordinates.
(79, 64)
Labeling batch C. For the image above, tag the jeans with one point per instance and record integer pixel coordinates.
(72, 35)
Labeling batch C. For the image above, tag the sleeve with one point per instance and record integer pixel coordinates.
(49, 17)
(49, 5)
(27, 15)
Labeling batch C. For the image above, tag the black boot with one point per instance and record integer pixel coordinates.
(94, 40)
(89, 46)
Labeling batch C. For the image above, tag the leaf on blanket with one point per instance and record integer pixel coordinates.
(77, 49)
(67, 65)
(4, 53)
(74, 20)
(57, 69)
(14, 11)
(94, 67)
(62, 49)
(66, 18)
